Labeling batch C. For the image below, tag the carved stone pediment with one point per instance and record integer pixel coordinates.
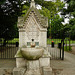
(42, 21)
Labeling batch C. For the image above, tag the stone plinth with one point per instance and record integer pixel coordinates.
(40, 66)
(20, 62)
(33, 64)
(44, 62)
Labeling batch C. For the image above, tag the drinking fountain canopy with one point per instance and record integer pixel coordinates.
(32, 31)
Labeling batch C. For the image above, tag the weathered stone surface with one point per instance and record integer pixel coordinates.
(19, 71)
(32, 53)
(20, 62)
(6, 71)
(33, 65)
(44, 62)
(33, 72)
(46, 53)
(32, 29)
(18, 54)
(47, 71)
(32, 4)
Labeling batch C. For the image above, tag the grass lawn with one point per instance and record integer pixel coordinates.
(66, 48)
(14, 40)
(56, 41)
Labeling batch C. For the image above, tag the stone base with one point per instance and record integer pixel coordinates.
(33, 64)
(33, 67)
(44, 62)
(20, 62)
(40, 66)
(19, 71)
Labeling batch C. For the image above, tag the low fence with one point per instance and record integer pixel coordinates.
(8, 49)
(56, 41)
(57, 47)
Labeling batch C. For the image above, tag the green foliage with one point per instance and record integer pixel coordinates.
(24, 10)
(66, 48)
(70, 28)
(72, 34)
(13, 40)
(56, 41)
(56, 25)
(71, 7)
(8, 27)
(8, 23)
(2, 1)
(50, 10)
(59, 4)
(45, 12)
(9, 13)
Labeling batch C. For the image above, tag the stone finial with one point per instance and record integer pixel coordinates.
(32, 0)
(32, 3)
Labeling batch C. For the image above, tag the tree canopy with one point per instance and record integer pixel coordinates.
(70, 28)
(9, 12)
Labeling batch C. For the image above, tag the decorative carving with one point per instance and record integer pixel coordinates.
(32, 28)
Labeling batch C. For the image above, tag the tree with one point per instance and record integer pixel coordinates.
(9, 12)
(56, 27)
(49, 10)
(71, 26)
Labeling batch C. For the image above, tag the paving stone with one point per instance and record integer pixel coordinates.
(19, 71)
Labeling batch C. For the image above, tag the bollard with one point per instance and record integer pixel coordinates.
(59, 45)
(52, 44)
(17, 44)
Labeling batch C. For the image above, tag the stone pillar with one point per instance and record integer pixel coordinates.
(32, 4)
(33, 67)
(20, 62)
(44, 62)
(33, 64)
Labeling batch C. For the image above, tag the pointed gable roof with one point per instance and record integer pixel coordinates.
(43, 21)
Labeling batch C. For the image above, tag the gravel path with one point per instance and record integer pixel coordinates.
(7, 63)
(66, 66)
(73, 50)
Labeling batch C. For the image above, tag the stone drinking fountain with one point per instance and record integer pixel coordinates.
(33, 57)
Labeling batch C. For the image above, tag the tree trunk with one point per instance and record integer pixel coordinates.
(4, 43)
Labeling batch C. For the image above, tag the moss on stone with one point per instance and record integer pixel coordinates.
(18, 54)
(42, 20)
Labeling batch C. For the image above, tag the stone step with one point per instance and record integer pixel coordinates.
(68, 71)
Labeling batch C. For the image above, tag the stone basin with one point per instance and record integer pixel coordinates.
(32, 53)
